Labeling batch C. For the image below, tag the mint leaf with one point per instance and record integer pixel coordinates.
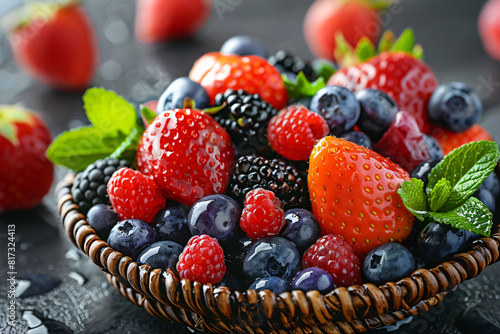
(302, 87)
(472, 216)
(128, 144)
(108, 111)
(439, 194)
(413, 196)
(405, 42)
(148, 114)
(79, 147)
(465, 168)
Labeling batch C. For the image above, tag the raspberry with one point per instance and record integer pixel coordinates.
(262, 215)
(334, 255)
(202, 260)
(293, 132)
(134, 195)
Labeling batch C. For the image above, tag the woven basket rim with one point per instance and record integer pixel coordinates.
(342, 304)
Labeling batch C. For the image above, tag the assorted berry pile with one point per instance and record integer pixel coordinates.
(232, 182)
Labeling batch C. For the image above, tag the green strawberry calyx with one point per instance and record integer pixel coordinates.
(302, 87)
(11, 115)
(35, 11)
(115, 131)
(447, 198)
(347, 55)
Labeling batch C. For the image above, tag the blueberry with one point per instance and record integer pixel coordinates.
(313, 279)
(423, 170)
(435, 150)
(170, 223)
(275, 284)
(274, 256)
(102, 218)
(357, 137)
(438, 242)
(492, 184)
(485, 196)
(244, 46)
(235, 252)
(302, 228)
(412, 238)
(388, 263)
(471, 236)
(455, 106)
(162, 254)
(377, 112)
(178, 90)
(215, 215)
(231, 281)
(131, 236)
(338, 106)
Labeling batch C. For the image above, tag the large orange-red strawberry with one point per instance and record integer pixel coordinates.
(397, 71)
(450, 140)
(187, 153)
(327, 18)
(57, 45)
(25, 172)
(217, 72)
(489, 28)
(353, 193)
(166, 20)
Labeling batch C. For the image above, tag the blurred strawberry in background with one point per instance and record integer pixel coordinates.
(353, 18)
(25, 172)
(159, 21)
(489, 28)
(55, 44)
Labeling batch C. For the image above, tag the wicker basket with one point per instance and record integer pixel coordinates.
(345, 310)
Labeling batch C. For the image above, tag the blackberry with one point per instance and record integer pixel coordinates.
(287, 183)
(245, 118)
(90, 185)
(287, 63)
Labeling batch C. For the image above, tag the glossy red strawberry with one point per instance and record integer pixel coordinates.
(489, 28)
(188, 155)
(166, 20)
(353, 193)
(327, 18)
(450, 140)
(25, 172)
(217, 72)
(400, 75)
(57, 46)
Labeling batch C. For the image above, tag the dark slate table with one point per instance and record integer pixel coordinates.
(81, 299)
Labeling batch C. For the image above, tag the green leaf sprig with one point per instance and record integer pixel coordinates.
(302, 87)
(447, 197)
(115, 132)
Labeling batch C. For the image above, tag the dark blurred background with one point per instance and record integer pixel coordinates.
(82, 299)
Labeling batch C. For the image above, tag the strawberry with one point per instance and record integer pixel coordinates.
(187, 154)
(327, 18)
(25, 172)
(489, 28)
(353, 193)
(217, 72)
(450, 140)
(56, 45)
(399, 74)
(166, 20)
